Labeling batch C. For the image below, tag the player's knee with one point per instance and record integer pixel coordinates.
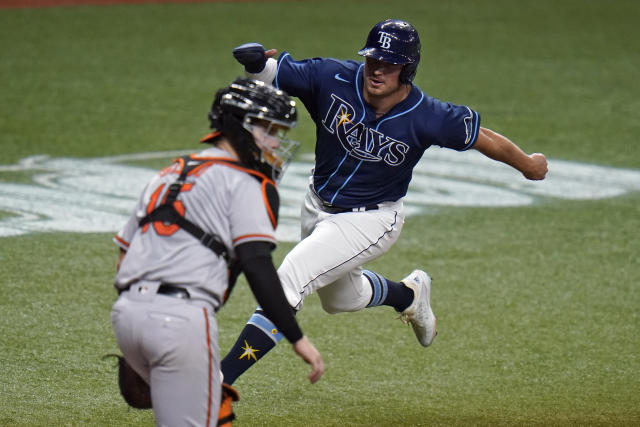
(333, 306)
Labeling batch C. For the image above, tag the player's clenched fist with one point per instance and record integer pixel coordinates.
(538, 169)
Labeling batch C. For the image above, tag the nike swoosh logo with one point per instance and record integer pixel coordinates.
(337, 77)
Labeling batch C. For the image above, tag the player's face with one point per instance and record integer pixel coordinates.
(268, 135)
(381, 78)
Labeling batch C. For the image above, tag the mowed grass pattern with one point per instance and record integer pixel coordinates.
(537, 306)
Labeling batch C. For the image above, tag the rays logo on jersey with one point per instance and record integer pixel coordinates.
(358, 140)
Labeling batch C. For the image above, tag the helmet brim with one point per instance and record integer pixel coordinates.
(384, 55)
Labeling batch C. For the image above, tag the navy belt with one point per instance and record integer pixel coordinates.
(332, 209)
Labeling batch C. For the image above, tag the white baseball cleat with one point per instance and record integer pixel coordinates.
(419, 313)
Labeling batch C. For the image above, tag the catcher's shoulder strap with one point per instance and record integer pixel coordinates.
(188, 165)
(267, 185)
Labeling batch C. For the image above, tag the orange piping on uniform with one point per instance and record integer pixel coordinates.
(120, 240)
(210, 388)
(272, 217)
(246, 236)
(211, 136)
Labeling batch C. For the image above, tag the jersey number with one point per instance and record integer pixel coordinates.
(161, 228)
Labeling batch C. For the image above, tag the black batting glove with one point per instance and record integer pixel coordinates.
(251, 55)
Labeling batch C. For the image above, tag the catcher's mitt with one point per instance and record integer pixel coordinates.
(134, 389)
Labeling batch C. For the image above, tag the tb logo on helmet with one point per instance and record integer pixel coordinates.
(385, 40)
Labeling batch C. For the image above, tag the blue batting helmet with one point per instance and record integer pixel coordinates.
(395, 42)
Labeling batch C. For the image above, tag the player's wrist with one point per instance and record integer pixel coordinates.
(268, 72)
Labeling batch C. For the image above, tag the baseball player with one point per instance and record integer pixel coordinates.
(373, 125)
(205, 215)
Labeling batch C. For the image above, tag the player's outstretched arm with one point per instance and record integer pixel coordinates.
(500, 148)
(258, 268)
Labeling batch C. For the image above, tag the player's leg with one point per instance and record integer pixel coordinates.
(357, 288)
(331, 247)
(410, 298)
(364, 236)
(338, 247)
(387, 292)
(181, 338)
(345, 294)
(257, 338)
(260, 335)
(125, 316)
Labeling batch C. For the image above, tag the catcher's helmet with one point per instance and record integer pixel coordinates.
(248, 113)
(395, 42)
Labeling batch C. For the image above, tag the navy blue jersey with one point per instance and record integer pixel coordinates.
(360, 159)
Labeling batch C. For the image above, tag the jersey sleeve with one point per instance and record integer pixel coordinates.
(458, 126)
(124, 237)
(297, 77)
(251, 216)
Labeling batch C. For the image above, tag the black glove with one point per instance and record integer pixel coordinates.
(251, 55)
(134, 390)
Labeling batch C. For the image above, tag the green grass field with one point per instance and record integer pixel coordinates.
(537, 306)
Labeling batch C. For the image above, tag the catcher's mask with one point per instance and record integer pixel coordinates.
(395, 42)
(255, 118)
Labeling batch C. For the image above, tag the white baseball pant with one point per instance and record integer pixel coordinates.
(333, 249)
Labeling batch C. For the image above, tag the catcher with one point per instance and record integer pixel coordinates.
(197, 224)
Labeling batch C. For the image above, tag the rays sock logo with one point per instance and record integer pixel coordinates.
(359, 141)
(249, 352)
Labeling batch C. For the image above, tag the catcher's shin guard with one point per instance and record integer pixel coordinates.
(226, 415)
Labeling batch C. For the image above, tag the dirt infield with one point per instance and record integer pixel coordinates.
(18, 4)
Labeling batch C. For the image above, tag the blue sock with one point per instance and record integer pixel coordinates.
(387, 292)
(256, 339)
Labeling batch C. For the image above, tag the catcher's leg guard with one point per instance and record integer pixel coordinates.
(226, 415)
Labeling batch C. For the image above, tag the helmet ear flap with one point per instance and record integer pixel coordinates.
(216, 112)
(408, 73)
(215, 121)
